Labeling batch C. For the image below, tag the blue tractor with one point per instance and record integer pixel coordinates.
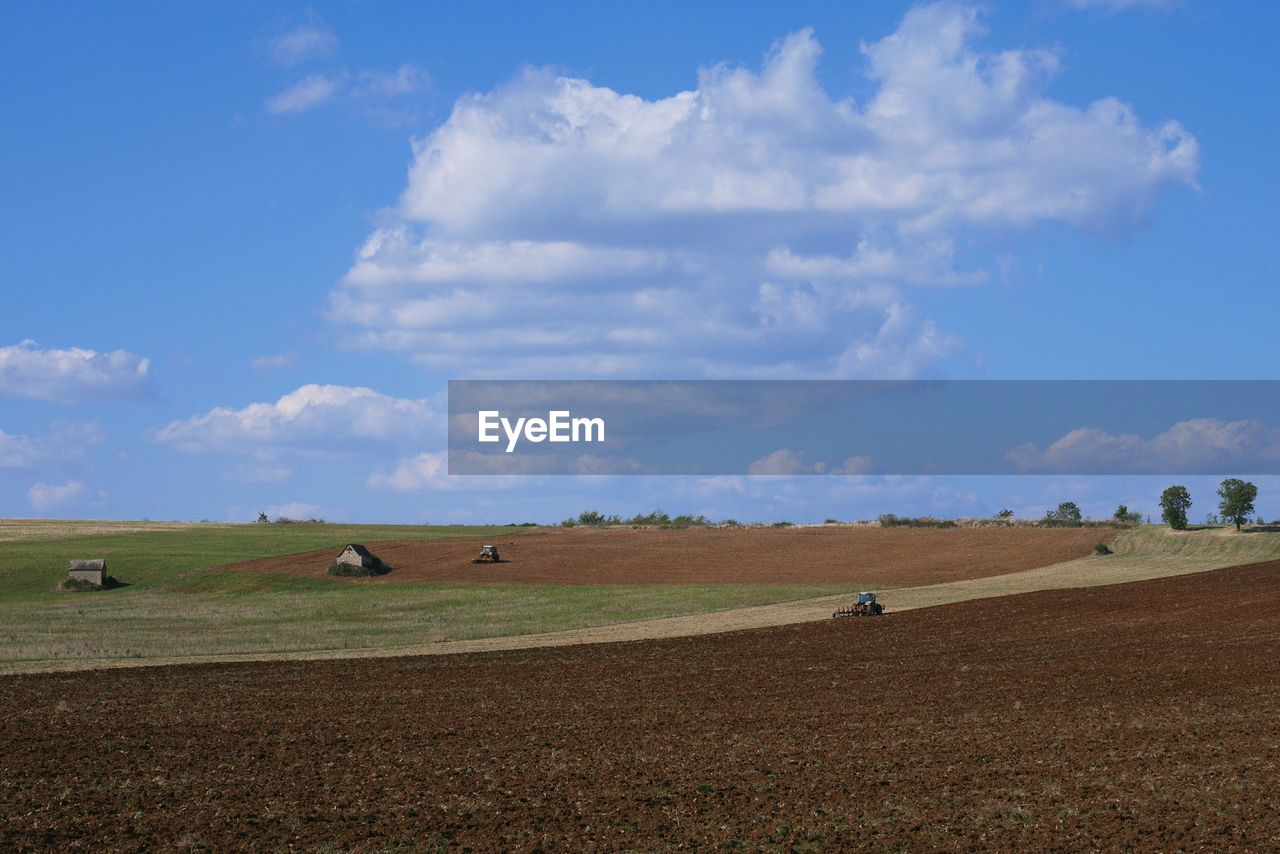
(866, 606)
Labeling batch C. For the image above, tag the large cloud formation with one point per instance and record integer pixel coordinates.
(753, 226)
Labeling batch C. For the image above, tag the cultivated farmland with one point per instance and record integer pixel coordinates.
(839, 555)
(1133, 716)
(181, 599)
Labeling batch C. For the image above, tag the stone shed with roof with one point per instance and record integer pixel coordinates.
(357, 555)
(93, 571)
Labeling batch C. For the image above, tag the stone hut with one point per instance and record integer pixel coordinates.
(92, 571)
(357, 555)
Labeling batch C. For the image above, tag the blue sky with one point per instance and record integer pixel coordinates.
(247, 247)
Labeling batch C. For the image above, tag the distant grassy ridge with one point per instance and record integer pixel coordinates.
(12, 530)
(1209, 548)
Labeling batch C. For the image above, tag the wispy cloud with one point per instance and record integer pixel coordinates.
(296, 510)
(377, 94)
(430, 471)
(309, 41)
(275, 362)
(48, 496)
(306, 94)
(1121, 5)
(76, 374)
(64, 443)
(787, 462)
(425, 471)
(252, 473)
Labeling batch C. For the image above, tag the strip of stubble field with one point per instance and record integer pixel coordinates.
(1142, 554)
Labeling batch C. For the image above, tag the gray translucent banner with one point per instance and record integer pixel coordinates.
(783, 427)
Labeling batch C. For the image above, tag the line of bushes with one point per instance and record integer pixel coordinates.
(889, 520)
(656, 519)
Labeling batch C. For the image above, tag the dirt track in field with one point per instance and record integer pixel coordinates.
(827, 555)
(1139, 716)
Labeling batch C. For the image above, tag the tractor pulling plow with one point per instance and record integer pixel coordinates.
(489, 554)
(866, 606)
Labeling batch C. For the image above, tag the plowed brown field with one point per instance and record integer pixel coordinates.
(1140, 716)
(828, 555)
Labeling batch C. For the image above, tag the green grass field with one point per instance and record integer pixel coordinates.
(173, 605)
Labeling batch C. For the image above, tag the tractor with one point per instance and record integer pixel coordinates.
(866, 606)
(488, 554)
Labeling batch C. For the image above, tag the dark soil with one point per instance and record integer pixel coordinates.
(1142, 716)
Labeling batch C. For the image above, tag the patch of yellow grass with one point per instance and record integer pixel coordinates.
(15, 530)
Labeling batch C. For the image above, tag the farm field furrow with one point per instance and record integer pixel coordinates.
(1131, 716)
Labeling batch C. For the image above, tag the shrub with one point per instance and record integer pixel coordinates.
(346, 570)
(782, 524)
(831, 521)
(1126, 517)
(79, 585)
(1066, 515)
(1102, 549)
(730, 523)
(657, 517)
(1005, 513)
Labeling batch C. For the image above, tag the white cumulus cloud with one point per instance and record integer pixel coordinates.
(311, 418)
(75, 374)
(1194, 446)
(755, 224)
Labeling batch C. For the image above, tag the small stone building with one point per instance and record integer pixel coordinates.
(357, 555)
(92, 571)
